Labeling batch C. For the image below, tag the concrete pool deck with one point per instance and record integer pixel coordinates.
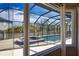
(33, 50)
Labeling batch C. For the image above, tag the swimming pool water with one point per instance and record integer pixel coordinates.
(51, 37)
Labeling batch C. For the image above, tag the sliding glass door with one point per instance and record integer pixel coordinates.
(44, 28)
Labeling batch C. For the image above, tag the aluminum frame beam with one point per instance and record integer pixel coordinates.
(50, 18)
(53, 21)
(40, 16)
(32, 7)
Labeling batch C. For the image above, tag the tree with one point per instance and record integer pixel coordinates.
(32, 29)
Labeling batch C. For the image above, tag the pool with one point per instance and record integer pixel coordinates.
(37, 39)
(51, 37)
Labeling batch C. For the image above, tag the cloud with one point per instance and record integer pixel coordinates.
(13, 15)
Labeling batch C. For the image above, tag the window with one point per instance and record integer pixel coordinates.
(44, 28)
(68, 25)
(11, 28)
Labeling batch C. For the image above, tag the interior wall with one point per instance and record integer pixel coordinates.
(70, 51)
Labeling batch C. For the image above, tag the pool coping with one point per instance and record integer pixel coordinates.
(44, 52)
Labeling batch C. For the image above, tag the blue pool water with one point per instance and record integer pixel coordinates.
(52, 37)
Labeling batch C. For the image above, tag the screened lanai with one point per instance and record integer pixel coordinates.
(11, 25)
(44, 28)
(45, 24)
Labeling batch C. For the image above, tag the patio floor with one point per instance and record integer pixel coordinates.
(19, 52)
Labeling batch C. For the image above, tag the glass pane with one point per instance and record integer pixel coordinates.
(18, 37)
(68, 23)
(43, 34)
(6, 41)
(68, 34)
(11, 21)
(18, 34)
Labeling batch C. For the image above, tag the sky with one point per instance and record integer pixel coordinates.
(17, 15)
(36, 11)
(12, 5)
(9, 12)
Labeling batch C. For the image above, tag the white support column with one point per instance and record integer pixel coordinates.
(26, 24)
(62, 21)
(72, 28)
(78, 31)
